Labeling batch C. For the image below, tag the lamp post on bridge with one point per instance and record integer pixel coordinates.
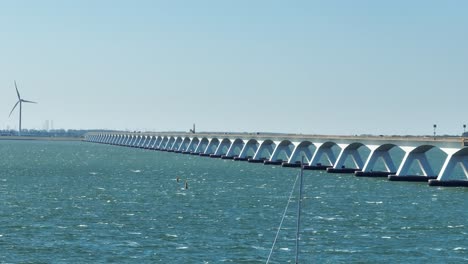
(435, 126)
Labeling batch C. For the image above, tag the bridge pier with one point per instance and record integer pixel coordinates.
(124, 140)
(283, 148)
(120, 139)
(201, 146)
(448, 174)
(143, 142)
(250, 147)
(184, 145)
(263, 152)
(323, 150)
(221, 149)
(303, 149)
(176, 145)
(132, 141)
(210, 148)
(192, 146)
(114, 140)
(234, 150)
(135, 141)
(162, 145)
(347, 151)
(418, 155)
(170, 144)
(107, 139)
(378, 153)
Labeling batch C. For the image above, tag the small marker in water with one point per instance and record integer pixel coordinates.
(186, 185)
(177, 179)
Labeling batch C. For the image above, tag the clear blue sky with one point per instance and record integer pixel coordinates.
(324, 67)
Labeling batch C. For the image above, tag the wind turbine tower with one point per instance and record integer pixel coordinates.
(20, 102)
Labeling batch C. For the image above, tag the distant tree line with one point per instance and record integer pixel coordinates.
(52, 133)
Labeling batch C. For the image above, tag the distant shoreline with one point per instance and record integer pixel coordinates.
(41, 138)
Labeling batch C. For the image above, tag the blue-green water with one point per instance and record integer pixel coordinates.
(76, 202)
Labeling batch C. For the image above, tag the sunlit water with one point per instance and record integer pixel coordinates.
(76, 202)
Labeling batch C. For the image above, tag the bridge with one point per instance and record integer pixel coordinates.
(440, 161)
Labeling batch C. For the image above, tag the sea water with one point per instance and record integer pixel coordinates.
(79, 202)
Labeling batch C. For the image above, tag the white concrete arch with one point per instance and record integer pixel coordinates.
(235, 149)
(304, 149)
(127, 140)
(250, 148)
(223, 147)
(193, 144)
(177, 143)
(350, 151)
(381, 153)
(170, 143)
(324, 150)
(283, 151)
(120, 139)
(163, 143)
(454, 159)
(150, 142)
(212, 146)
(417, 155)
(142, 142)
(114, 139)
(135, 140)
(156, 142)
(265, 150)
(202, 145)
(184, 145)
(107, 139)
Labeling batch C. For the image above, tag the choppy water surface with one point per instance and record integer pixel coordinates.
(74, 202)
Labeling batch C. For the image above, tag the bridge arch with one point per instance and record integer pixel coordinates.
(202, 145)
(193, 144)
(115, 139)
(351, 157)
(185, 144)
(283, 151)
(130, 140)
(177, 143)
(211, 147)
(157, 142)
(304, 149)
(140, 141)
(223, 147)
(150, 142)
(455, 167)
(235, 149)
(382, 160)
(325, 154)
(249, 149)
(163, 143)
(422, 161)
(265, 150)
(170, 143)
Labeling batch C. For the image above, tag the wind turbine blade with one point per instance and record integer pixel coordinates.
(14, 108)
(19, 97)
(26, 101)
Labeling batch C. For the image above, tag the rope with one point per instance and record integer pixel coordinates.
(282, 219)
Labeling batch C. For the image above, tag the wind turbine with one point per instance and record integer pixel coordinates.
(20, 102)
